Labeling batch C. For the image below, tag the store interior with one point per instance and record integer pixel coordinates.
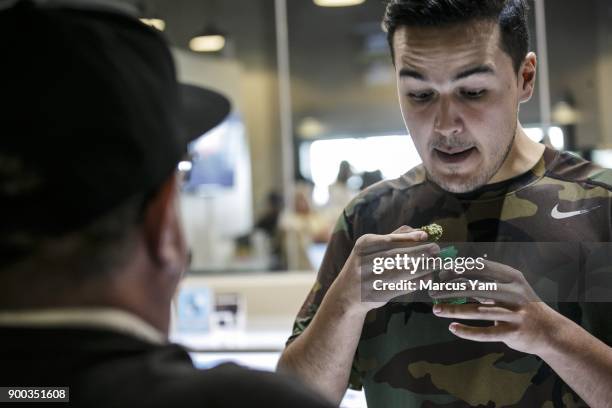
(314, 121)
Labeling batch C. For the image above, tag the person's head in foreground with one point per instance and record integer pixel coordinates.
(93, 126)
(463, 68)
(93, 132)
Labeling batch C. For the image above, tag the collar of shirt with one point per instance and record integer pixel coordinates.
(99, 318)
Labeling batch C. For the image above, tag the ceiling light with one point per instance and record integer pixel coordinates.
(564, 113)
(207, 43)
(311, 128)
(208, 40)
(337, 3)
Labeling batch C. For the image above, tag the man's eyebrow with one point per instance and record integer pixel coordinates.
(411, 73)
(481, 69)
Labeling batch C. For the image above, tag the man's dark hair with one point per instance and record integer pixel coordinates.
(511, 16)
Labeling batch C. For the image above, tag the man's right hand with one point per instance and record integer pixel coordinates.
(354, 285)
(323, 354)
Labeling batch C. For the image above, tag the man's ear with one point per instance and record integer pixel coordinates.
(162, 229)
(527, 77)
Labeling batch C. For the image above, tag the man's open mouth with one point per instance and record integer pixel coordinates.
(454, 156)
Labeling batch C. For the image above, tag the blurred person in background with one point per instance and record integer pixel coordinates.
(91, 243)
(305, 226)
(268, 223)
(340, 193)
(266, 235)
(370, 178)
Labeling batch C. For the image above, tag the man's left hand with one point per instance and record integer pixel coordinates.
(520, 319)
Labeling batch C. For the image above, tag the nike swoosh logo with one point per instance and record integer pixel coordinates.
(558, 215)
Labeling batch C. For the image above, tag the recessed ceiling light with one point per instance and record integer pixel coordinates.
(209, 39)
(207, 43)
(337, 3)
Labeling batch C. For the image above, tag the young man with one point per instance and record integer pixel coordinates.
(463, 68)
(90, 240)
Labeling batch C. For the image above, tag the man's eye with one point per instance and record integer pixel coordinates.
(473, 94)
(420, 96)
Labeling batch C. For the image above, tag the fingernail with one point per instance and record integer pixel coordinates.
(437, 309)
(452, 328)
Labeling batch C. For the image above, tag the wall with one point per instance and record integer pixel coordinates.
(573, 50)
(252, 44)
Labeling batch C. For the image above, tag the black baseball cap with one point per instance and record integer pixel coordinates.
(91, 114)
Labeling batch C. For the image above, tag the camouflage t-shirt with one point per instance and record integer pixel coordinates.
(406, 356)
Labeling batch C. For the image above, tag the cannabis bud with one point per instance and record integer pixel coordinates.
(434, 231)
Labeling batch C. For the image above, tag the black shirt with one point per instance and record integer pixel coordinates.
(109, 369)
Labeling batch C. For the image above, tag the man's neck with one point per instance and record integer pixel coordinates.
(523, 156)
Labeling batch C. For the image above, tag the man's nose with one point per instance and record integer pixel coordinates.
(447, 122)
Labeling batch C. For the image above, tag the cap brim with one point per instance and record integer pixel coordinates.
(202, 110)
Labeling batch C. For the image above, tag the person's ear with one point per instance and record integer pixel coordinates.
(163, 234)
(527, 77)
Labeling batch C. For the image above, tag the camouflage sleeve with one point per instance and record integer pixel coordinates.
(338, 251)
